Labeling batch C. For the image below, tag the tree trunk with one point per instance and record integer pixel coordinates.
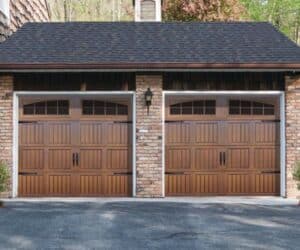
(66, 11)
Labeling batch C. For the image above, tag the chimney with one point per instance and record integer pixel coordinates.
(148, 10)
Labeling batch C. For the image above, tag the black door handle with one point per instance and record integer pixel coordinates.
(74, 159)
(224, 158)
(221, 158)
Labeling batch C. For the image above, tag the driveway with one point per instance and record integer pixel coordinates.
(148, 225)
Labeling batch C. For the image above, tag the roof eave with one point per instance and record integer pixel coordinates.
(151, 66)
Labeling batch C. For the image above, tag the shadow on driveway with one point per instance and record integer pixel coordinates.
(147, 225)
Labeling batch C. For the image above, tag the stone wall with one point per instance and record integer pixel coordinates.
(292, 132)
(6, 125)
(21, 12)
(149, 180)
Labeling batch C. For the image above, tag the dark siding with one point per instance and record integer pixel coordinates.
(74, 81)
(224, 81)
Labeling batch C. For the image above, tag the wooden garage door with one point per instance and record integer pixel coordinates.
(73, 147)
(222, 146)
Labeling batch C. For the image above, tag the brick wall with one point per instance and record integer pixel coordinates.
(6, 124)
(292, 131)
(21, 12)
(149, 137)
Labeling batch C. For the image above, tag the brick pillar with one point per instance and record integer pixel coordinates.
(292, 132)
(149, 137)
(6, 125)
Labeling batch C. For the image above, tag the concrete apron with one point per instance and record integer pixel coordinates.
(249, 200)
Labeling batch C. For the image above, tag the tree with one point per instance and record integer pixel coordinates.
(284, 14)
(202, 10)
(91, 10)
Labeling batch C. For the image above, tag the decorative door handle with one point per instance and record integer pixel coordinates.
(221, 158)
(224, 158)
(74, 159)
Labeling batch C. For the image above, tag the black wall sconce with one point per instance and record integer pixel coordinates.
(148, 99)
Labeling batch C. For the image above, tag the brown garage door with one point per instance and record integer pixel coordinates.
(73, 147)
(222, 146)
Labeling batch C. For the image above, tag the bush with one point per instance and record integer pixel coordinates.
(4, 175)
(296, 174)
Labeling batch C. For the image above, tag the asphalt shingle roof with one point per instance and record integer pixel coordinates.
(132, 42)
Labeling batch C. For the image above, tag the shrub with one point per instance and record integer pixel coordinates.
(4, 175)
(296, 174)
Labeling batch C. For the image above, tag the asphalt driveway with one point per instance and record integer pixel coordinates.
(148, 225)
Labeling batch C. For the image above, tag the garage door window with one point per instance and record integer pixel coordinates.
(91, 107)
(238, 107)
(57, 107)
(202, 107)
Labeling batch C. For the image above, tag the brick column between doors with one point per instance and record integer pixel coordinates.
(6, 126)
(292, 132)
(149, 137)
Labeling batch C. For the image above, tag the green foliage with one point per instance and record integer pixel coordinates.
(91, 10)
(284, 14)
(199, 10)
(4, 176)
(296, 174)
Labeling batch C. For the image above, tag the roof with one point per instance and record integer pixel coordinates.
(148, 45)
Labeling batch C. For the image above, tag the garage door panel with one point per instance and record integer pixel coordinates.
(239, 133)
(207, 158)
(206, 133)
(266, 183)
(267, 158)
(91, 158)
(31, 134)
(60, 133)
(118, 158)
(91, 133)
(178, 158)
(178, 133)
(178, 184)
(118, 133)
(238, 158)
(59, 185)
(31, 158)
(117, 185)
(206, 183)
(60, 159)
(91, 185)
(267, 133)
(238, 183)
(31, 185)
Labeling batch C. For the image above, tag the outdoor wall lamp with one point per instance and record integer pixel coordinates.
(148, 99)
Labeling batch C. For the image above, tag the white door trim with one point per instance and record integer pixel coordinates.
(280, 94)
(19, 94)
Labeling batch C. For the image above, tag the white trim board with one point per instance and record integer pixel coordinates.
(19, 94)
(279, 94)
